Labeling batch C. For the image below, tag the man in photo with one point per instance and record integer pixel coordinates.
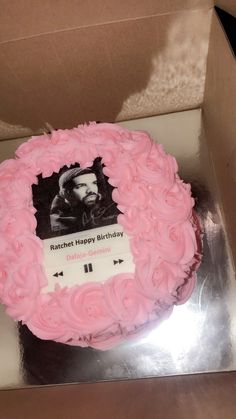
(79, 205)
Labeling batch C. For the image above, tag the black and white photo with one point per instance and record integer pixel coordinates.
(73, 200)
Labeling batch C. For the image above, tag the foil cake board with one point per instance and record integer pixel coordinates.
(200, 336)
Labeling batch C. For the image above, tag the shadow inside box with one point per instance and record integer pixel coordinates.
(48, 362)
(198, 340)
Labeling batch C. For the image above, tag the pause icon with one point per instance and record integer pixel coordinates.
(88, 268)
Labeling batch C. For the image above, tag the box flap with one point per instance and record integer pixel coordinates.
(167, 397)
(118, 71)
(25, 18)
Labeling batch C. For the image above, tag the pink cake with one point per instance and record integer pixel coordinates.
(152, 209)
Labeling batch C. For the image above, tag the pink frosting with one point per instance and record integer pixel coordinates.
(157, 215)
(86, 309)
(127, 302)
(22, 289)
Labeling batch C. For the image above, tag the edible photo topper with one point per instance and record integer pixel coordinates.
(77, 221)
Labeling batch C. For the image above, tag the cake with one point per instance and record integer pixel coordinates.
(98, 238)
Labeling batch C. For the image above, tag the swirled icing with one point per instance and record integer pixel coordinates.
(157, 215)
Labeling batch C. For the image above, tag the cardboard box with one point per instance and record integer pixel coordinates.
(68, 62)
(67, 65)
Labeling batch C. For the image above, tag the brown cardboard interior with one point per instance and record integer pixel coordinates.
(144, 62)
(200, 397)
(24, 18)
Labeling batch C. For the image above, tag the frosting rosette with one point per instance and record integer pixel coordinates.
(156, 167)
(127, 303)
(25, 249)
(86, 309)
(136, 222)
(125, 195)
(22, 289)
(173, 203)
(15, 223)
(47, 322)
(160, 280)
(174, 242)
(156, 212)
